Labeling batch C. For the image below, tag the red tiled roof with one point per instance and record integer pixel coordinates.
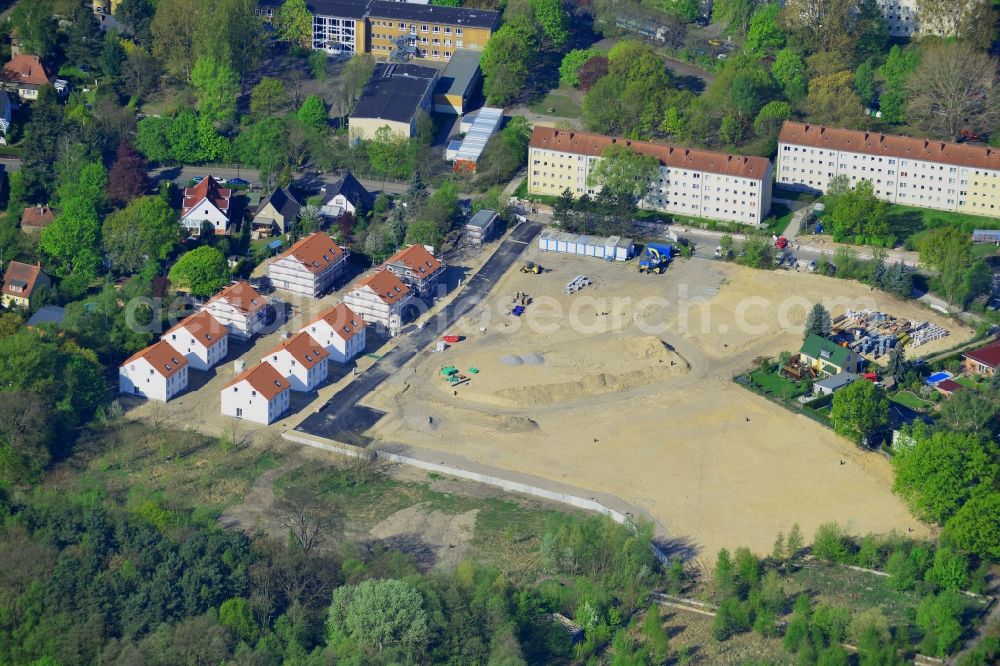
(264, 379)
(209, 189)
(19, 279)
(37, 216)
(343, 320)
(889, 145)
(165, 359)
(316, 251)
(386, 286)
(417, 259)
(584, 143)
(27, 69)
(242, 296)
(988, 355)
(303, 349)
(204, 327)
(948, 386)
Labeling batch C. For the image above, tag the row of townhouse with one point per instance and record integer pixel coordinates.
(380, 27)
(691, 182)
(383, 297)
(301, 363)
(915, 172)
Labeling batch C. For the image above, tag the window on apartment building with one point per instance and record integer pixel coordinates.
(423, 28)
(447, 42)
(458, 43)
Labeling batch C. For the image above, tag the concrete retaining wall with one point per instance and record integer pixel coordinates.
(508, 485)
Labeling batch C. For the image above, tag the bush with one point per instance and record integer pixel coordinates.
(830, 543)
(733, 617)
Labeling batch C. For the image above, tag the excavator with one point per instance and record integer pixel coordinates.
(531, 267)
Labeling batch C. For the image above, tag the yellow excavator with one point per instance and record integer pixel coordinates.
(531, 267)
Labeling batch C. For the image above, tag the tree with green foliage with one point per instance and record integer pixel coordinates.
(203, 271)
(312, 113)
(831, 100)
(733, 617)
(387, 153)
(624, 172)
(216, 87)
(553, 21)
(269, 97)
(898, 364)
(294, 23)
(237, 615)
(35, 25)
(146, 229)
(948, 250)
(737, 13)
(860, 412)
(864, 82)
(765, 30)
(975, 528)
(939, 470)
(950, 570)
(656, 639)
(830, 543)
(818, 322)
(507, 60)
(151, 138)
(858, 216)
(789, 70)
(896, 70)
(940, 617)
(569, 70)
(940, 103)
(72, 241)
(83, 38)
(377, 614)
(770, 118)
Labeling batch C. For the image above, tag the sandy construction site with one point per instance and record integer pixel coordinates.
(625, 388)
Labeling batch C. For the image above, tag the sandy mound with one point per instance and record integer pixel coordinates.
(568, 371)
(517, 424)
(432, 537)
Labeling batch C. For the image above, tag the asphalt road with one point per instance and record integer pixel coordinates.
(342, 418)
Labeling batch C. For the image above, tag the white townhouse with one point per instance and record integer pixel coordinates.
(379, 298)
(309, 267)
(201, 338)
(340, 330)
(259, 394)
(690, 182)
(207, 202)
(417, 268)
(301, 360)
(240, 308)
(913, 172)
(158, 372)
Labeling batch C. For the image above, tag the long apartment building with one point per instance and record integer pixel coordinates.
(913, 172)
(380, 27)
(692, 182)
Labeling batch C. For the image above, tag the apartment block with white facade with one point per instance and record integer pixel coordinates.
(301, 360)
(340, 330)
(900, 17)
(914, 172)
(240, 308)
(158, 372)
(417, 268)
(259, 394)
(691, 182)
(380, 298)
(309, 267)
(202, 338)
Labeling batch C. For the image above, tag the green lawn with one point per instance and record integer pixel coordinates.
(968, 383)
(556, 103)
(777, 220)
(984, 250)
(908, 223)
(907, 399)
(776, 384)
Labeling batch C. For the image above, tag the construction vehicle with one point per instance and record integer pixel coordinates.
(531, 267)
(655, 257)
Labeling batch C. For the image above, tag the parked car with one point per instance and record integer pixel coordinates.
(238, 181)
(197, 179)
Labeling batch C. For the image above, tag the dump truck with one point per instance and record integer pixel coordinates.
(531, 267)
(655, 257)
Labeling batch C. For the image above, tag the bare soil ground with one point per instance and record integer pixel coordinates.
(604, 409)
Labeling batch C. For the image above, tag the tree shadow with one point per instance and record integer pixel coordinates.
(689, 82)
(678, 547)
(905, 223)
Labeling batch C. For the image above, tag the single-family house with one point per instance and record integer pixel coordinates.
(278, 212)
(833, 383)
(158, 372)
(21, 283)
(346, 197)
(481, 227)
(829, 358)
(380, 299)
(36, 218)
(207, 202)
(301, 360)
(340, 330)
(310, 266)
(240, 308)
(26, 75)
(417, 268)
(983, 361)
(202, 338)
(259, 394)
